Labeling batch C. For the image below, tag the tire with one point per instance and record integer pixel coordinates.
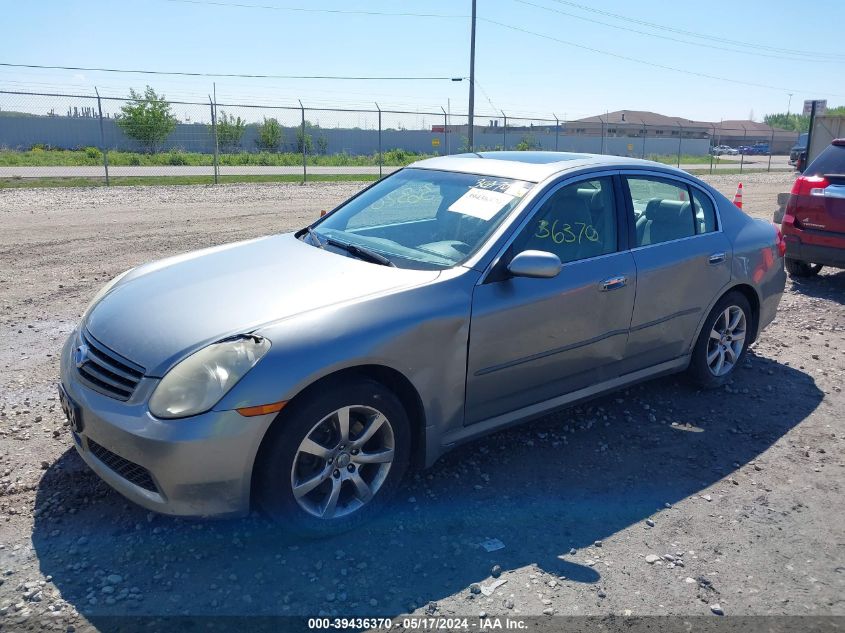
(705, 368)
(311, 426)
(797, 268)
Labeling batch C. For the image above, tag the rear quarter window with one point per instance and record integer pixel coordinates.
(705, 214)
(830, 161)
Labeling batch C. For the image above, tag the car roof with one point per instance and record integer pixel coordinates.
(532, 166)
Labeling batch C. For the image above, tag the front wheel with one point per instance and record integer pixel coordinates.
(797, 268)
(334, 459)
(723, 341)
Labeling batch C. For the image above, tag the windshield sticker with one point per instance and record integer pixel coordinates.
(481, 203)
(493, 185)
(512, 187)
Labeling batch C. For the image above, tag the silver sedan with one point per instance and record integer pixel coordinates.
(304, 373)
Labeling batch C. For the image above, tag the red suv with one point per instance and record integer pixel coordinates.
(814, 222)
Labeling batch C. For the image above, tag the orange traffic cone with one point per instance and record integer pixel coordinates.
(738, 196)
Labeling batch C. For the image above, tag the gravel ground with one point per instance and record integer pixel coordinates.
(658, 500)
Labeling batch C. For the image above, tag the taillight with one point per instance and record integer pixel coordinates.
(810, 186)
(780, 241)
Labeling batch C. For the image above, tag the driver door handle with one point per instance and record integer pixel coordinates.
(612, 283)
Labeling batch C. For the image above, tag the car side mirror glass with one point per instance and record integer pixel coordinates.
(535, 264)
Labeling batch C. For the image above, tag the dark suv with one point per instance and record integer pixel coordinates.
(799, 150)
(814, 221)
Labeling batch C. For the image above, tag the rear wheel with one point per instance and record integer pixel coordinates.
(723, 341)
(334, 459)
(797, 268)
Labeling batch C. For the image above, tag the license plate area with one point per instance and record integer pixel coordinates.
(71, 410)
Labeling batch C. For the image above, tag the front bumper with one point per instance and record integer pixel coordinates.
(197, 466)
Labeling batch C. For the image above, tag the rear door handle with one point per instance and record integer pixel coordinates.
(717, 258)
(613, 283)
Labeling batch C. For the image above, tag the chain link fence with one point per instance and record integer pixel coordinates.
(45, 135)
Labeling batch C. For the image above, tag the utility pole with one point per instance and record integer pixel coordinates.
(788, 105)
(810, 130)
(103, 136)
(214, 130)
(472, 81)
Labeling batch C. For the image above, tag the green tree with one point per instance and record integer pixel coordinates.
(797, 122)
(270, 134)
(146, 118)
(304, 142)
(527, 143)
(792, 122)
(230, 131)
(322, 144)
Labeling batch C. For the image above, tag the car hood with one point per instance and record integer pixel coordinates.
(161, 312)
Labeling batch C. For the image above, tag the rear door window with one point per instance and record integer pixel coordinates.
(662, 210)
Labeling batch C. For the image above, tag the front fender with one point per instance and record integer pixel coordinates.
(420, 332)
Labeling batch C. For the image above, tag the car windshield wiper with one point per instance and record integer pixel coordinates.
(315, 238)
(361, 252)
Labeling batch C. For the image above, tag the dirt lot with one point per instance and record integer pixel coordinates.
(739, 492)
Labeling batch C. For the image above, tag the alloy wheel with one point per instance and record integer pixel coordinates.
(343, 461)
(727, 339)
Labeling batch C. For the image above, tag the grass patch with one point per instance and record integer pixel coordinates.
(686, 159)
(131, 181)
(92, 157)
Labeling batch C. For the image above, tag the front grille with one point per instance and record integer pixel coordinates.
(106, 371)
(130, 471)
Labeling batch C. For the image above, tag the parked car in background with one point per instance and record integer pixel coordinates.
(304, 373)
(797, 149)
(727, 150)
(758, 149)
(814, 220)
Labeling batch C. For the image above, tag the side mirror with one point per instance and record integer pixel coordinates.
(535, 264)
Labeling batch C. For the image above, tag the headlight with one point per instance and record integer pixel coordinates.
(201, 380)
(102, 291)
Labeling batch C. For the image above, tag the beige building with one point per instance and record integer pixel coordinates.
(640, 123)
(636, 123)
(736, 133)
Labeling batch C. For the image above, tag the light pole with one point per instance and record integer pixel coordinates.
(471, 80)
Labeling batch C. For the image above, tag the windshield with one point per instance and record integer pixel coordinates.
(424, 219)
